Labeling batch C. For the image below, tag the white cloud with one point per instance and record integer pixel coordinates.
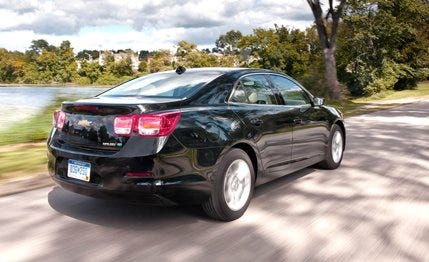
(149, 24)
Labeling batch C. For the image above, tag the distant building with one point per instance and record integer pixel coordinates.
(118, 56)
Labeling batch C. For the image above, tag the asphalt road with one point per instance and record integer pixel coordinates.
(375, 207)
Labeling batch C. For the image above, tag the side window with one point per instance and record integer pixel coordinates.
(253, 89)
(291, 93)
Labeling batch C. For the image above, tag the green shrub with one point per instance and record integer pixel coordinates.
(82, 80)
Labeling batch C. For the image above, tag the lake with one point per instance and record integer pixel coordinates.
(20, 102)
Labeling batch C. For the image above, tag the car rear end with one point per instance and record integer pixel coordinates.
(124, 145)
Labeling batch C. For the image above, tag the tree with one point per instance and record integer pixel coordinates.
(88, 54)
(45, 63)
(36, 49)
(121, 68)
(143, 55)
(47, 66)
(189, 56)
(67, 63)
(279, 49)
(227, 43)
(39, 45)
(90, 70)
(264, 48)
(160, 60)
(185, 47)
(383, 45)
(143, 67)
(108, 57)
(327, 29)
(11, 65)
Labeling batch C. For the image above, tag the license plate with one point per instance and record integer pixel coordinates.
(79, 170)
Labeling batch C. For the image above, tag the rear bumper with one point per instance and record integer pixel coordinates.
(145, 192)
(174, 180)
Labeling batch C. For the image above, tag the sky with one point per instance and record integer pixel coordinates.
(140, 24)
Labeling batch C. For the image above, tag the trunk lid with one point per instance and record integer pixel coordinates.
(89, 123)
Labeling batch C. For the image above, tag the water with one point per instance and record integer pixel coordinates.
(20, 102)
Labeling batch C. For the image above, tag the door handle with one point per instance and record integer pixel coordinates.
(297, 121)
(256, 121)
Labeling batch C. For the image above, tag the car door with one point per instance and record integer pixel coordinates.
(254, 101)
(310, 125)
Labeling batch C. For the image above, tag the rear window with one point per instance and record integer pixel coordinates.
(165, 84)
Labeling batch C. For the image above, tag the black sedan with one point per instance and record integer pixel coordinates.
(198, 136)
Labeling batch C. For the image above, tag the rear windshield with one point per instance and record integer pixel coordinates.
(165, 84)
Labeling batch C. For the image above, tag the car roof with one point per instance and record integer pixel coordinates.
(237, 71)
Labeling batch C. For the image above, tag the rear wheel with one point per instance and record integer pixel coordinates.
(335, 149)
(233, 187)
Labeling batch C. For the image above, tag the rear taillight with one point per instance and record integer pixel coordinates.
(59, 119)
(157, 125)
(123, 125)
(149, 125)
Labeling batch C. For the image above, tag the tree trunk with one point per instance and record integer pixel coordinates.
(331, 73)
(328, 41)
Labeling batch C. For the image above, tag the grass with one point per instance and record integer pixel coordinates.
(372, 103)
(421, 90)
(33, 129)
(22, 160)
(352, 108)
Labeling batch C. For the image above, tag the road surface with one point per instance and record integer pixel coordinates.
(375, 207)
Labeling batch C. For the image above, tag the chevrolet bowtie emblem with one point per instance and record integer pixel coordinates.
(84, 123)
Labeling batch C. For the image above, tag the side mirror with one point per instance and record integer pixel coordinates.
(318, 101)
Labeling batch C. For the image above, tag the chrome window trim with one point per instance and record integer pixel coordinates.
(265, 74)
(235, 87)
(309, 95)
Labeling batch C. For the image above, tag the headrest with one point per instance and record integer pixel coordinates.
(253, 97)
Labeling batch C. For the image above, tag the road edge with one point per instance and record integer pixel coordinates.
(20, 185)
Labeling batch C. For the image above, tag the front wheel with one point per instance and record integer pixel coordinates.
(233, 187)
(334, 153)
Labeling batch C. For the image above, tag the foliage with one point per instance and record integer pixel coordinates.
(42, 63)
(185, 48)
(227, 43)
(88, 55)
(110, 79)
(143, 67)
(189, 56)
(90, 71)
(120, 68)
(36, 128)
(144, 55)
(384, 45)
(66, 63)
(291, 51)
(11, 65)
(160, 60)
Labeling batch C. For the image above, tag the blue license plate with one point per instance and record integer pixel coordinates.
(79, 170)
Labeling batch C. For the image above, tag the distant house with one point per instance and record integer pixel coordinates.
(119, 55)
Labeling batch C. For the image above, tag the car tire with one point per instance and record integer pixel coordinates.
(233, 187)
(334, 150)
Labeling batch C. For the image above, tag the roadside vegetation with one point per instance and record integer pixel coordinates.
(33, 129)
(379, 101)
(22, 160)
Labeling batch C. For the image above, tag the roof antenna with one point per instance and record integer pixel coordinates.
(180, 70)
